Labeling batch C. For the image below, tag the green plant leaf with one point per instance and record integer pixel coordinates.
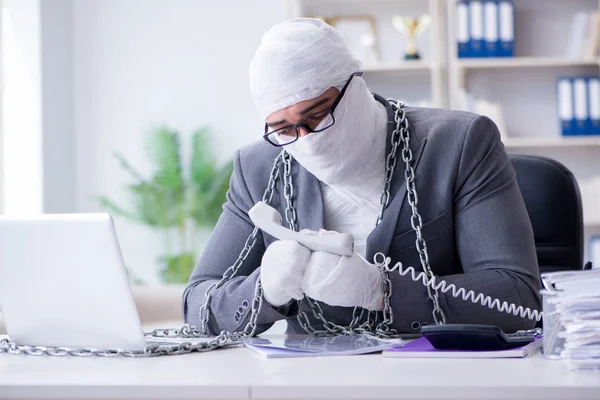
(203, 165)
(166, 200)
(217, 194)
(203, 173)
(128, 167)
(151, 206)
(178, 268)
(164, 152)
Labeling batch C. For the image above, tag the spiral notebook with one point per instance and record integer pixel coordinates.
(422, 348)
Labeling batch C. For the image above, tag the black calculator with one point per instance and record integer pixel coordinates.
(472, 337)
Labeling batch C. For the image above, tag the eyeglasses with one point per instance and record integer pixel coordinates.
(316, 122)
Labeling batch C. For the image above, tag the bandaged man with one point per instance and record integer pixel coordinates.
(342, 159)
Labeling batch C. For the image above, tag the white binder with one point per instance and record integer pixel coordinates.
(491, 38)
(507, 27)
(462, 26)
(476, 28)
(594, 104)
(565, 106)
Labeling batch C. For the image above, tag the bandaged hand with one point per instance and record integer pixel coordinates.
(343, 281)
(282, 271)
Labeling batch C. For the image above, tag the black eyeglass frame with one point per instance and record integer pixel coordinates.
(302, 123)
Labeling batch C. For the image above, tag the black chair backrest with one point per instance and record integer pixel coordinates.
(553, 202)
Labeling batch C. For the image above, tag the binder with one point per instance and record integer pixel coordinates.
(462, 25)
(491, 28)
(580, 105)
(507, 28)
(422, 348)
(594, 106)
(565, 106)
(476, 28)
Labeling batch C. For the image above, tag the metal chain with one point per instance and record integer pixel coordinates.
(158, 349)
(150, 350)
(288, 192)
(383, 329)
(415, 221)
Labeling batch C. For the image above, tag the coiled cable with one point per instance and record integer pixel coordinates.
(444, 287)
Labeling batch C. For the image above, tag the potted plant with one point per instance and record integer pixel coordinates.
(179, 202)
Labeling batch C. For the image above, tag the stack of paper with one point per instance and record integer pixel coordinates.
(575, 302)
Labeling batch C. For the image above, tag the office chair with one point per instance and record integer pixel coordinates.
(553, 202)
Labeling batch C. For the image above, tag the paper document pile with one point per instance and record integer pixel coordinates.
(572, 318)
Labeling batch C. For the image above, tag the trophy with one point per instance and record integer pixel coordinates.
(411, 28)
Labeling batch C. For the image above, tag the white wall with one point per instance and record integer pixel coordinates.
(141, 63)
(22, 105)
(57, 105)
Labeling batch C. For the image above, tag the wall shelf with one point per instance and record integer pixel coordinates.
(407, 66)
(592, 223)
(420, 81)
(521, 90)
(552, 142)
(523, 62)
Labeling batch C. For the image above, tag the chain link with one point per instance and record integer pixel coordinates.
(415, 221)
(150, 350)
(383, 329)
(288, 192)
(399, 136)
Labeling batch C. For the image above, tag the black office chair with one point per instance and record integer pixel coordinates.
(553, 202)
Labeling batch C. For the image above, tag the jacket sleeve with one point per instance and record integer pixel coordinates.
(493, 238)
(231, 304)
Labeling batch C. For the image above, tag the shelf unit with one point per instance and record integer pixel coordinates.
(524, 85)
(408, 66)
(551, 142)
(523, 62)
(409, 81)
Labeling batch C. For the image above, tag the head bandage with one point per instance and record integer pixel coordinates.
(298, 60)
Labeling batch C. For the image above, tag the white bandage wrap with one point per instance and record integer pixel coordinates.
(282, 271)
(343, 281)
(298, 60)
(349, 160)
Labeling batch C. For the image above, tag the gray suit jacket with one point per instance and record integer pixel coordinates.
(475, 224)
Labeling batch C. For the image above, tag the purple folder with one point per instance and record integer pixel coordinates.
(422, 348)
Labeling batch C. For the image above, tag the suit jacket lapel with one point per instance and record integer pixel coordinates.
(308, 198)
(380, 238)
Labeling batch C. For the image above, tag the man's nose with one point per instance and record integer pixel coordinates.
(302, 131)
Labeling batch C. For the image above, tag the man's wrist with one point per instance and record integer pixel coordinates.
(289, 309)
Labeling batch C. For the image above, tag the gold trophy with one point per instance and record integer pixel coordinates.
(411, 28)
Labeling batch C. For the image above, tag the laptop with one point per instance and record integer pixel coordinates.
(63, 283)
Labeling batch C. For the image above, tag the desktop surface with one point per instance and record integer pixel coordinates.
(238, 373)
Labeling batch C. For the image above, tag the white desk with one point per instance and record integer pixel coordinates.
(237, 373)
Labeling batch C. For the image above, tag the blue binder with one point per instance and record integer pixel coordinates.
(491, 29)
(594, 106)
(462, 29)
(580, 105)
(476, 43)
(566, 115)
(506, 23)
